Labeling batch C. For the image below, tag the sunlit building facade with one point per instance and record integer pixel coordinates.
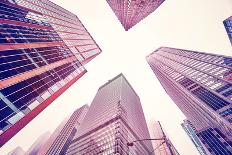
(201, 86)
(131, 12)
(191, 132)
(228, 26)
(64, 138)
(42, 51)
(165, 146)
(115, 118)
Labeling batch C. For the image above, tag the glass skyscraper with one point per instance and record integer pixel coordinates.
(228, 26)
(165, 146)
(115, 118)
(42, 51)
(64, 138)
(201, 86)
(131, 12)
(191, 132)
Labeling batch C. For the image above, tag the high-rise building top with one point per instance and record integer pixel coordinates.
(61, 143)
(164, 146)
(42, 51)
(131, 12)
(200, 84)
(115, 118)
(228, 25)
(191, 132)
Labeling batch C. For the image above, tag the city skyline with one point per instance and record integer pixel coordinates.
(171, 25)
(200, 85)
(41, 57)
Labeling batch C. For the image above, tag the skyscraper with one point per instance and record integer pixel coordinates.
(191, 132)
(131, 12)
(42, 51)
(115, 118)
(165, 146)
(63, 139)
(200, 85)
(228, 25)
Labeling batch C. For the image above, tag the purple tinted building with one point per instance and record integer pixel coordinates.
(115, 118)
(42, 51)
(65, 136)
(201, 86)
(131, 12)
(228, 26)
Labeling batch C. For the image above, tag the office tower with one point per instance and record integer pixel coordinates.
(17, 151)
(42, 51)
(64, 137)
(191, 132)
(44, 149)
(228, 25)
(35, 147)
(115, 118)
(164, 146)
(129, 13)
(200, 85)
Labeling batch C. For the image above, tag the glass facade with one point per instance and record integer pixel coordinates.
(115, 118)
(42, 51)
(190, 131)
(162, 147)
(200, 84)
(131, 12)
(228, 26)
(60, 144)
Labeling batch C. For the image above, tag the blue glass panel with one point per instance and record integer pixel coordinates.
(213, 141)
(224, 87)
(212, 100)
(5, 112)
(226, 112)
(228, 93)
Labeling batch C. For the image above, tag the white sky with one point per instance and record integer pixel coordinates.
(187, 24)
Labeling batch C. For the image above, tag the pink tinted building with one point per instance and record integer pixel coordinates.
(201, 86)
(115, 117)
(162, 147)
(59, 142)
(43, 48)
(131, 12)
